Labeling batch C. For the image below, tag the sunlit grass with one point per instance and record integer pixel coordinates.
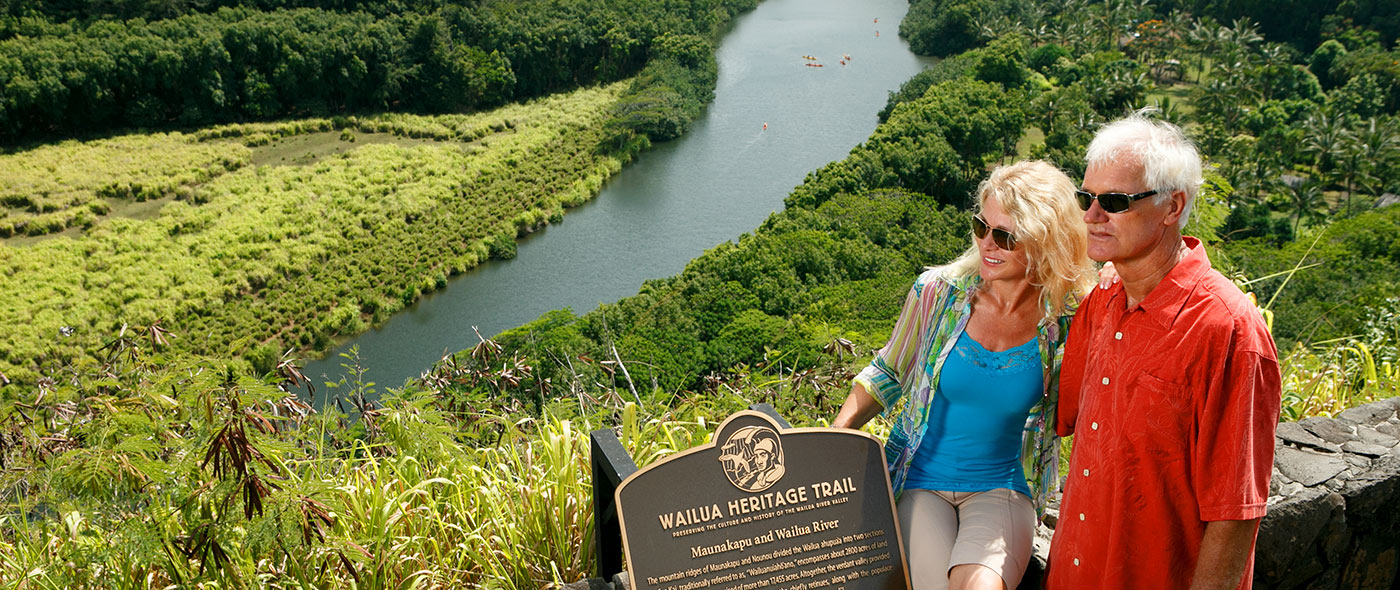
(287, 257)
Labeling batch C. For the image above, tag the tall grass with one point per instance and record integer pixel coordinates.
(1324, 378)
(156, 470)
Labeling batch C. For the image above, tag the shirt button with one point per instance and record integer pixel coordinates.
(1076, 561)
(1117, 335)
(1081, 516)
(1105, 380)
(1095, 426)
(1086, 473)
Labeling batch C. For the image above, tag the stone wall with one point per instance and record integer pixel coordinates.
(1334, 505)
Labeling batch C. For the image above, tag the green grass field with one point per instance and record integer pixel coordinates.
(253, 239)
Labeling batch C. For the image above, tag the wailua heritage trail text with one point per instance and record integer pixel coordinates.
(741, 506)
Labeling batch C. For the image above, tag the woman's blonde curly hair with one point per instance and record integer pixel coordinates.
(1049, 225)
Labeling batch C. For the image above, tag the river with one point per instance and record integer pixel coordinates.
(773, 120)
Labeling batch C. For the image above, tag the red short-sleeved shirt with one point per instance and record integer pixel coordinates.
(1173, 404)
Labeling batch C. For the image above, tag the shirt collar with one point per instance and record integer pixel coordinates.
(964, 284)
(1165, 300)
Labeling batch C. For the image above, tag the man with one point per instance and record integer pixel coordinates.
(1170, 384)
(766, 471)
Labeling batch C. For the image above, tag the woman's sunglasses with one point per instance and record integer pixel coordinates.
(1111, 202)
(1002, 238)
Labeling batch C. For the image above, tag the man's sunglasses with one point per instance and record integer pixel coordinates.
(1111, 202)
(1002, 238)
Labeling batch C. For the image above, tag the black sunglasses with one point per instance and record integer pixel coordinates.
(1111, 202)
(1002, 238)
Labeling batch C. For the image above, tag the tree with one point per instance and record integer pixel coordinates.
(1384, 65)
(1153, 45)
(1044, 57)
(1241, 37)
(1350, 164)
(1323, 136)
(1256, 221)
(1004, 62)
(1219, 100)
(1377, 147)
(1322, 61)
(1205, 41)
(1254, 164)
(1113, 84)
(976, 118)
(1361, 97)
(1116, 20)
(1068, 121)
(1279, 126)
(1306, 201)
(941, 29)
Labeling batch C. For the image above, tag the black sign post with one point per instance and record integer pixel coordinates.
(764, 507)
(611, 465)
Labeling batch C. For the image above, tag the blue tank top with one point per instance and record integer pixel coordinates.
(973, 437)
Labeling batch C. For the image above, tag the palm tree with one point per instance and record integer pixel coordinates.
(1221, 99)
(1372, 146)
(1323, 135)
(1273, 57)
(1177, 31)
(1169, 111)
(1306, 199)
(1204, 42)
(1179, 24)
(991, 26)
(1118, 17)
(1349, 162)
(1241, 36)
(1072, 32)
(1263, 170)
(1033, 23)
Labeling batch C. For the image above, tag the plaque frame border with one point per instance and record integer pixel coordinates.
(782, 431)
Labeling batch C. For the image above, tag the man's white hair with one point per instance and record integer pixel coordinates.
(1169, 160)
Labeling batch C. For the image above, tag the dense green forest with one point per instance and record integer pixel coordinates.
(947, 27)
(130, 462)
(68, 68)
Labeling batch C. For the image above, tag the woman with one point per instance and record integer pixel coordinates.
(975, 356)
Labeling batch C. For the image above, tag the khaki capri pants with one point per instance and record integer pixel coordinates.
(946, 529)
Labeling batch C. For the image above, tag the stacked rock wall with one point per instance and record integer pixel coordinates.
(1334, 505)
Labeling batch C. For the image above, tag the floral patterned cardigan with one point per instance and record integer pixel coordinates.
(906, 370)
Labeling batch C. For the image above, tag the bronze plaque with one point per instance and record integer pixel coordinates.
(763, 507)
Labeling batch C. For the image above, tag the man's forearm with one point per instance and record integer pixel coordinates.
(1225, 549)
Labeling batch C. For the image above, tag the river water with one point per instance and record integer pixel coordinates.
(678, 199)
